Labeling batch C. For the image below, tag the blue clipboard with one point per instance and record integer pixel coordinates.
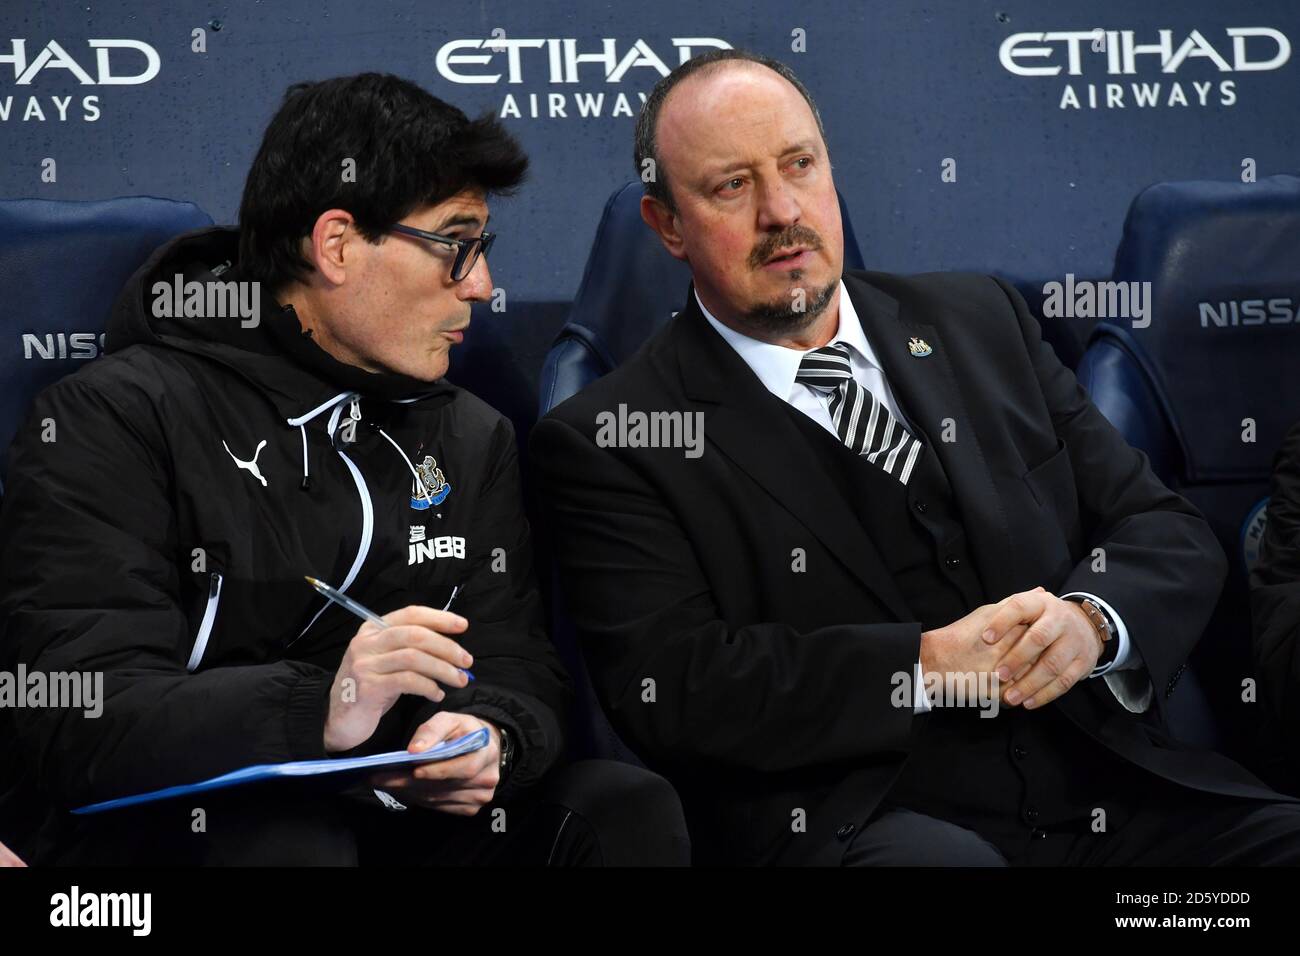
(301, 768)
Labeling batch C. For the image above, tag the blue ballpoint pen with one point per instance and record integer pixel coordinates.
(363, 612)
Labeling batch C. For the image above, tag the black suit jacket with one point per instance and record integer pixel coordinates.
(762, 692)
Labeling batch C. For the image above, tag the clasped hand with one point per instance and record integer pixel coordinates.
(1038, 645)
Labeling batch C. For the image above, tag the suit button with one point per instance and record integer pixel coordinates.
(1037, 834)
(845, 831)
(1020, 752)
(1031, 815)
(921, 507)
(952, 561)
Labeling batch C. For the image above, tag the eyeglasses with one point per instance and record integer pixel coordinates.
(467, 250)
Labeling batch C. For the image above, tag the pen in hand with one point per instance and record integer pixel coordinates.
(363, 612)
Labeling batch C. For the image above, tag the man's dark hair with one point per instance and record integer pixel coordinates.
(647, 123)
(410, 149)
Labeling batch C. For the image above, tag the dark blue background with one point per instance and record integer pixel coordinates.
(1040, 191)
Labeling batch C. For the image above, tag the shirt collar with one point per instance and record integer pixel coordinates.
(775, 365)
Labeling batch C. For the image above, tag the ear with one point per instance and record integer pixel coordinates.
(332, 244)
(664, 222)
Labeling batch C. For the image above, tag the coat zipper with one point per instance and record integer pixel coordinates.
(205, 625)
(367, 510)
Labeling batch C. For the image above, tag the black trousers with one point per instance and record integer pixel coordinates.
(1164, 825)
(589, 813)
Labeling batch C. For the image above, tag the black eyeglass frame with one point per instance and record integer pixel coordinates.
(478, 246)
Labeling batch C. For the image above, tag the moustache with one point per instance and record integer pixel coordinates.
(797, 236)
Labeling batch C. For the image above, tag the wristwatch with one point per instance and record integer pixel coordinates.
(507, 753)
(1101, 621)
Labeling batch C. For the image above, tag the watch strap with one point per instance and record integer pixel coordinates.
(1100, 621)
(507, 752)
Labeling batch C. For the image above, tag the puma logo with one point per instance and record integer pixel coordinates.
(251, 465)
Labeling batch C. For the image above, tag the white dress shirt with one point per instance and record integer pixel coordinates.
(776, 367)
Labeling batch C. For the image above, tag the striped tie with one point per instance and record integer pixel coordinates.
(861, 420)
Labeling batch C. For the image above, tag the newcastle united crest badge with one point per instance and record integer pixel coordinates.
(919, 348)
(430, 487)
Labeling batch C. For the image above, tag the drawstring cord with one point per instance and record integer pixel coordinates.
(306, 477)
(419, 483)
(300, 422)
(354, 412)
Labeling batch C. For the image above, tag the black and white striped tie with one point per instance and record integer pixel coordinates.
(861, 420)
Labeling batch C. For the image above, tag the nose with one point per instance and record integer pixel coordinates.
(777, 206)
(477, 286)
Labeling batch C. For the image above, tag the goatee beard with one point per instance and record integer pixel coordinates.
(785, 320)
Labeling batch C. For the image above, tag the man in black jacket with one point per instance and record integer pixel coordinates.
(273, 406)
(819, 510)
(1275, 603)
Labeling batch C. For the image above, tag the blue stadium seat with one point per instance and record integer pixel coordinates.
(630, 287)
(1221, 352)
(62, 265)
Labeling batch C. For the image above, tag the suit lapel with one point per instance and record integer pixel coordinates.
(926, 389)
(746, 423)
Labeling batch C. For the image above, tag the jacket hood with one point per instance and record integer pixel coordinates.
(243, 328)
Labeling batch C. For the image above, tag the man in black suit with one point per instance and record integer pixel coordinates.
(897, 481)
